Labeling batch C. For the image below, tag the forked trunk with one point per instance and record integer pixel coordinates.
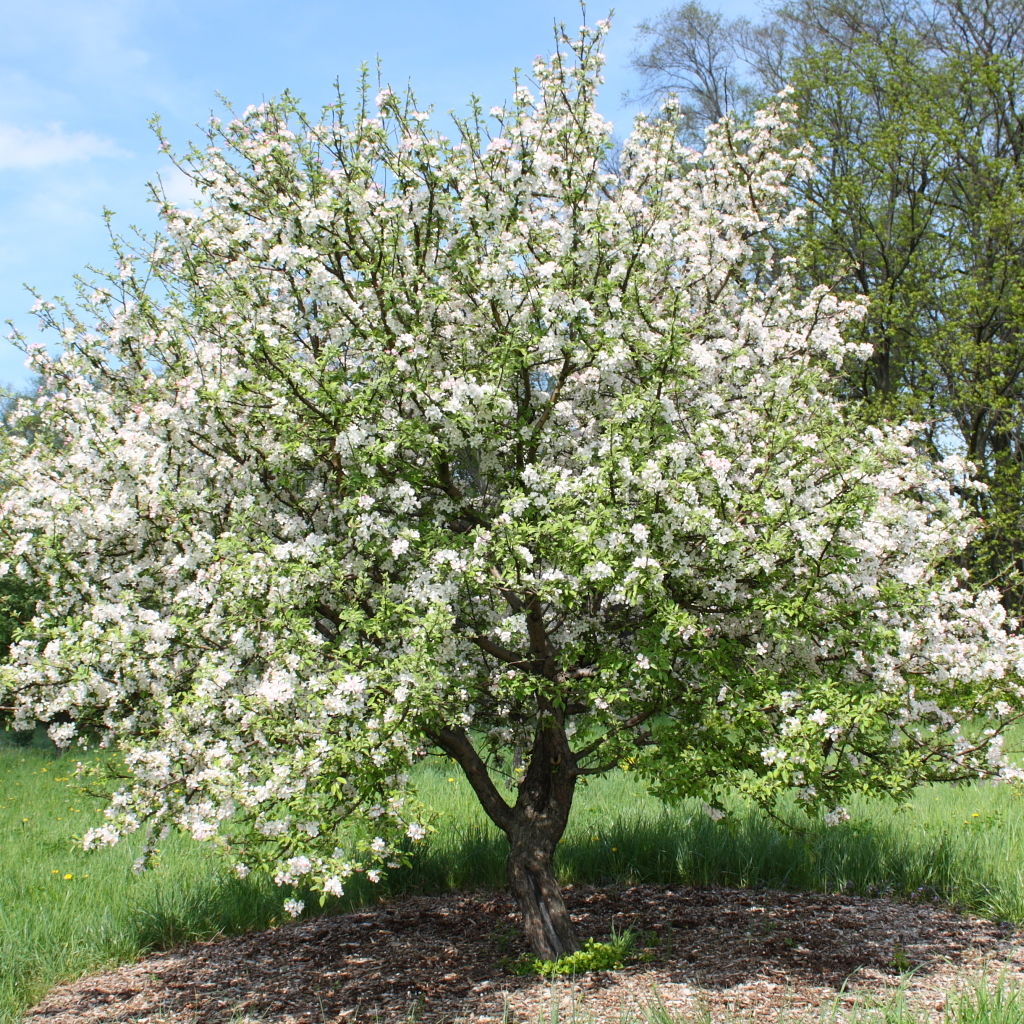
(533, 826)
(546, 922)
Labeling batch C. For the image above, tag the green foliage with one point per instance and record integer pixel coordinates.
(17, 601)
(917, 205)
(593, 956)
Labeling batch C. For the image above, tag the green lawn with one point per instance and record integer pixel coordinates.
(64, 912)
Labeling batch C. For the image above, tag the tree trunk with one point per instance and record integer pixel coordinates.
(533, 826)
(531, 877)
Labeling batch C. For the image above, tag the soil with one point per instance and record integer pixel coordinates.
(734, 954)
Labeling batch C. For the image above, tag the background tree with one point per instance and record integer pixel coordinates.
(18, 597)
(917, 204)
(398, 445)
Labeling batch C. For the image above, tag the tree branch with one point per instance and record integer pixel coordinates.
(456, 744)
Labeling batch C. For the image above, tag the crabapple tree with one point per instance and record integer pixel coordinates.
(398, 444)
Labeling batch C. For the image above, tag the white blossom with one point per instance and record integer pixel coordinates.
(836, 816)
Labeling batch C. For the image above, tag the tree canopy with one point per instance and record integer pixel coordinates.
(398, 444)
(914, 109)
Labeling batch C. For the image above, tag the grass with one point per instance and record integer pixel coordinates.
(985, 1001)
(961, 844)
(64, 912)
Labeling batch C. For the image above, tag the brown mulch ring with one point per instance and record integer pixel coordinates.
(735, 953)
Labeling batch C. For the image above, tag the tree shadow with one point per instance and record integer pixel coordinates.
(440, 957)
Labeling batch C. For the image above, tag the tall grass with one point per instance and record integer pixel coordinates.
(64, 912)
(961, 844)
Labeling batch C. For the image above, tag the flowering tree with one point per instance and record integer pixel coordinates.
(397, 444)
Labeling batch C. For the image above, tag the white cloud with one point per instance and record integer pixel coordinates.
(178, 187)
(27, 148)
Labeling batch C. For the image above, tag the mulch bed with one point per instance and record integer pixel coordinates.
(431, 958)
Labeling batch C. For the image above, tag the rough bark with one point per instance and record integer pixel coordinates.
(533, 825)
(539, 818)
(531, 877)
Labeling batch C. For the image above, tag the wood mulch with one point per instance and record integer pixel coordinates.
(736, 954)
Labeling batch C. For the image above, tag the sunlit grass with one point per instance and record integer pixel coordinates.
(64, 912)
(961, 844)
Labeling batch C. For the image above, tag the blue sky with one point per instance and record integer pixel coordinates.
(79, 80)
